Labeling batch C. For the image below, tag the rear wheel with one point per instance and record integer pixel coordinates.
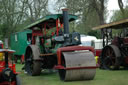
(109, 58)
(32, 67)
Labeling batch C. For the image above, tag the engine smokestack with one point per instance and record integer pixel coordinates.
(66, 21)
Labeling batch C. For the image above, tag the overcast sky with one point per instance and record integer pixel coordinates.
(112, 5)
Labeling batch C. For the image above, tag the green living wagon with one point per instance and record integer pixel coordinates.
(19, 41)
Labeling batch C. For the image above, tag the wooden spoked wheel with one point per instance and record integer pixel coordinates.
(109, 58)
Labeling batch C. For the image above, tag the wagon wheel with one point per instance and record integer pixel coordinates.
(109, 58)
(32, 67)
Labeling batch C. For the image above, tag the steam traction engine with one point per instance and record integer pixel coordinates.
(53, 47)
(115, 42)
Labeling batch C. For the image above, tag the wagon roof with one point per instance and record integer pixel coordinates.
(114, 25)
(50, 19)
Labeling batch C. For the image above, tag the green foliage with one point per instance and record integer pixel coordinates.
(90, 20)
(117, 15)
(95, 33)
(16, 14)
(88, 14)
(3, 31)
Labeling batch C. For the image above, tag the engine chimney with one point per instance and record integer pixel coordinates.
(66, 21)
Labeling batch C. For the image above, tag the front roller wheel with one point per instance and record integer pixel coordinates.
(32, 67)
(77, 60)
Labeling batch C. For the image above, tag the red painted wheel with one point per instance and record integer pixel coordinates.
(109, 58)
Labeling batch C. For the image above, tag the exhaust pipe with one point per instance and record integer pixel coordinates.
(66, 21)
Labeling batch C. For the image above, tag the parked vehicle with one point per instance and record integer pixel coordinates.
(87, 40)
(8, 74)
(115, 46)
(18, 42)
(53, 47)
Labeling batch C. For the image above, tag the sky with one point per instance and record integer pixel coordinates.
(51, 4)
(112, 5)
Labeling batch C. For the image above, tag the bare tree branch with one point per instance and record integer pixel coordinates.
(121, 6)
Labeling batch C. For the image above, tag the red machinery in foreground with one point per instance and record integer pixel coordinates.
(8, 75)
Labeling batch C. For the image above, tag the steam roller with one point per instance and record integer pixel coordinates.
(76, 65)
(61, 50)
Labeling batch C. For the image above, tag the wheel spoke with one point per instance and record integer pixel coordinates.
(112, 61)
(112, 53)
(109, 58)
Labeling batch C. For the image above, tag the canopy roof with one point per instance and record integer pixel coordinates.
(50, 20)
(114, 25)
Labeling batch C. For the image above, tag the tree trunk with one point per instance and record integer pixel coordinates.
(99, 7)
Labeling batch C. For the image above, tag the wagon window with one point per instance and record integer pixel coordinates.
(16, 37)
(29, 37)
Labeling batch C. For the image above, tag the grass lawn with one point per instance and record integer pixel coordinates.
(103, 77)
